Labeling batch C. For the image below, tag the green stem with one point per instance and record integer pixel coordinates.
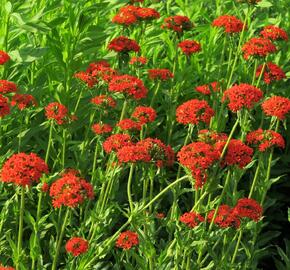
(155, 94)
(20, 229)
(59, 241)
(255, 179)
(255, 70)
(129, 186)
(63, 148)
(95, 163)
(237, 247)
(123, 110)
(229, 138)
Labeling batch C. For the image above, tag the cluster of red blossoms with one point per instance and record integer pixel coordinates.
(23, 169)
(177, 23)
(129, 15)
(7, 87)
(104, 100)
(124, 45)
(231, 24)
(160, 74)
(6, 267)
(77, 246)
(242, 96)
(138, 60)
(276, 106)
(129, 85)
(226, 216)
(265, 139)
(101, 128)
(147, 150)
(271, 73)
(207, 89)
(22, 101)
(211, 136)
(4, 106)
(57, 112)
(127, 240)
(189, 47)
(274, 33)
(116, 142)
(70, 190)
(4, 57)
(193, 112)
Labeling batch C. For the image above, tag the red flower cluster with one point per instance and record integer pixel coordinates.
(116, 142)
(45, 187)
(237, 153)
(129, 15)
(160, 74)
(77, 246)
(70, 190)
(248, 208)
(276, 106)
(231, 24)
(259, 47)
(129, 124)
(138, 60)
(23, 169)
(189, 46)
(7, 87)
(242, 96)
(271, 73)
(147, 150)
(211, 137)
(127, 240)
(4, 57)
(23, 101)
(86, 78)
(6, 267)
(4, 107)
(193, 112)
(198, 157)
(191, 219)
(207, 89)
(130, 85)
(101, 128)
(177, 23)
(274, 33)
(57, 111)
(124, 45)
(265, 139)
(144, 115)
(225, 217)
(104, 100)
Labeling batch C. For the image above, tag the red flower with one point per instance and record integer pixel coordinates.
(45, 187)
(160, 215)
(225, 217)
(242, 96)
(248, 208)
(123, 44)
(23, 169)
(144, 114)
(23, 101)
(129, 85)
(125, 18)
(127, 240)
(86, 78)
(101, 128)
(104, 100)
(4, 57)
(271, 73)
(207, 89)
(129, 124)
(211, 137)
(177, 23)
(259, 47)
(198, 157)
(160, 74)
(276, 106)
(77, 246)
(146, 14)
(56, 111)
(265, 139)
(138, 60)
(189, 47)
(237, 153)
(97, 65)
(193, 112)
(133, 153)
(191, 219)
(116, 142)
(231, 24)
(70, 190)
(274, 33)
(6, 267)
(4, 107)
(7, 87)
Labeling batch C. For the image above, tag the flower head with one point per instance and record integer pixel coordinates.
(271, 73)
(104, 100)
(7, 87)
(274, 33)
(101, 128)
(248, 208)
(123, 44)
(225, 217)
(57, 112)
(4, 57)
(70, 190)
(211, 137)
(160, 74)
(77, 246)
(116, 142)
(193, 112)
(144, 115)
(127, 240)
(276, 106)
(242, 96)
(87, 78)
(6, 267)
(129, 124)
(231, 24)
(4, 107)
(23, 101)
(189, 47)
(191, 219)
(23, 169)
(140, 60)
(207, 89)
(177, 23)
(258, 47)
